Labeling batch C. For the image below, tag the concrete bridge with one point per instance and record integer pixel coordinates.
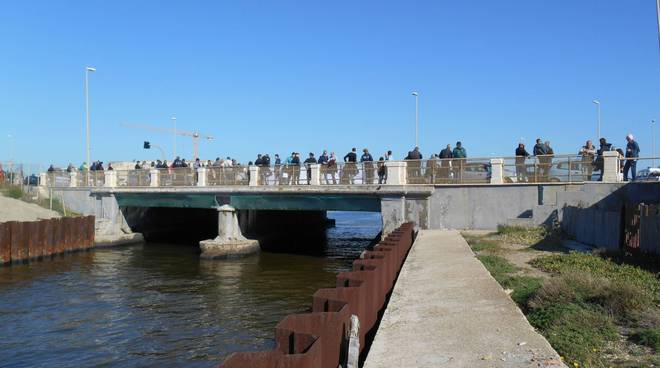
(429, 194)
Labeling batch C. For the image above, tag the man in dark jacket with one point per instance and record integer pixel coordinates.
(600, 163)
(415, 165)
(521, 168)
(445, 162)
(350, 168)
(295, 169)
(540, 150)
(632, 151)
(308, 162)
(367, 167)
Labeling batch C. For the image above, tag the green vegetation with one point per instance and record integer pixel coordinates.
(521, 235)
(649, 337)
(12, 192)
(595, 312)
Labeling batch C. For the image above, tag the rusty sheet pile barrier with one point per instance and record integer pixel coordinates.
(320, 339)
(22, 241)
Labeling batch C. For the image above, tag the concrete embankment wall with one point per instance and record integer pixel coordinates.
(22, 241)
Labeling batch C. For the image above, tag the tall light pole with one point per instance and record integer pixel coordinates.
(174, 148)
(416, 94)
(657, 11)
(597, 103)
(87, 70)
(653, 139)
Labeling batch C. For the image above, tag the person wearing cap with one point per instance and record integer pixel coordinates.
(632, 153)
(367, 167)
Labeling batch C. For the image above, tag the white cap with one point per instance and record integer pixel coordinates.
(630, 136)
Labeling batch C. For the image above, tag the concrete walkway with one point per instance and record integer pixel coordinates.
(447, 311)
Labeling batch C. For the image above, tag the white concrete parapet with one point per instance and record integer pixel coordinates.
(254, 176)
(315, 178)
(396, 172)
(43, 179)
(610, 166)
(73, 179)
(110, 179)
(497, 171)
(201, 177)
(154, 178)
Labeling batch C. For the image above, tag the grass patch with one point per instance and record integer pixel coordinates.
(498, 266)
(521, 234)
(12, 192)
(649, 337)
(524, 287)
(594, 265)
(481, 246)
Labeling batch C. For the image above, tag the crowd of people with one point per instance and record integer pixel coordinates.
(445, 164)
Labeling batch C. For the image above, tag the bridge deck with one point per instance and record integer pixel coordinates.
(446, 310)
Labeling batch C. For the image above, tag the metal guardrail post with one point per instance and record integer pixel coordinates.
(496, 170)
(254, 176)
(396, 172)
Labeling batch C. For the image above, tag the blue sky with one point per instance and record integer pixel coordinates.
(277, 76)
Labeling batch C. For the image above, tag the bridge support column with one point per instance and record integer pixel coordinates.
(497, 171)
(230, 241)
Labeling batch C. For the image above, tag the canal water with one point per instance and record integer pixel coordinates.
(160, 305)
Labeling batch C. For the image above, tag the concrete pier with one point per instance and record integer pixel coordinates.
(230, 241)
(447, 311)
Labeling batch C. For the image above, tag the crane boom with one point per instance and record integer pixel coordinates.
(194, 135)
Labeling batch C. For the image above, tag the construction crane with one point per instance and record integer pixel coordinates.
(194, 135)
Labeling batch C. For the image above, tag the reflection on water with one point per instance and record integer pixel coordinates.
(159, 304)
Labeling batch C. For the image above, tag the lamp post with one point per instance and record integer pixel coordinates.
(653, 139)
(87, 70)
(416, 94)
(174, 148)
(597, 103)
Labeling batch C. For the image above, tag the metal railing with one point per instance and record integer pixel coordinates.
(449, 171)
(86, 178)
(133, 178)
(551, 169)
(238, 175)
(645, 168)
(177, 177)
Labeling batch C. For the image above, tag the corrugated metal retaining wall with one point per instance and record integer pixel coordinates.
(21, 241)
(320, 339)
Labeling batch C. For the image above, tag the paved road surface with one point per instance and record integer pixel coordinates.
(447, 311)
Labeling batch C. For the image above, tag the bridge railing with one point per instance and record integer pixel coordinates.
(535, 169)
(216, 176)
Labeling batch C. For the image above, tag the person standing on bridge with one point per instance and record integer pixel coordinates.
(278, 170)
(521, 167)
(414, 157)
(632, 153)
(331, 169)
(308, 165)
(539, 151)
(367, 167)
(382, 170)
(458, 163)
(350, 167)
(588, 152)
(295, 166)
(445, 162)
(600, 163)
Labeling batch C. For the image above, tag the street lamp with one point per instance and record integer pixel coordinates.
(87, 70)
(653, 140)
(597, 103)
(174, 148)
(416, 94)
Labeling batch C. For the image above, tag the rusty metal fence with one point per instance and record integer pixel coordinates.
(641, 230)
(449, 171)
(133, 178)
(320, 339)
(237, 175)
(22, 241)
